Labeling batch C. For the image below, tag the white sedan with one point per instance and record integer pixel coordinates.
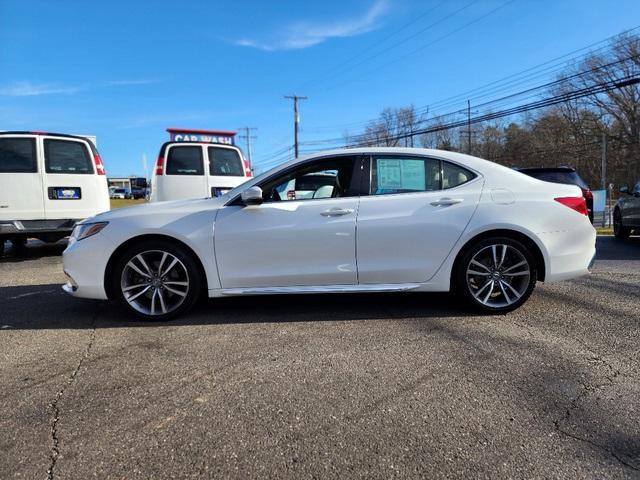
(394, 219)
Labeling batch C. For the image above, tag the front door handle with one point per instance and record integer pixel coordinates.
(446, 201)
(336, 212)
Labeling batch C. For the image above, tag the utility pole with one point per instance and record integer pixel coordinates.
(296, 120)
(248, 137)
(604, 175)
(469, 127)
(604, 162)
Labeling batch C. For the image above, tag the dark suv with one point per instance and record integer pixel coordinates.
(626, 214)
(566, 175)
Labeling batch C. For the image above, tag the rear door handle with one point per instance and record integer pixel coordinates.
(336, 212)
(446, 201)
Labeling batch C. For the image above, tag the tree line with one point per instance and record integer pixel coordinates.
(571, 133)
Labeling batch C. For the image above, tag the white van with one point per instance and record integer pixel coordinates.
(48, 182)
(196, 170)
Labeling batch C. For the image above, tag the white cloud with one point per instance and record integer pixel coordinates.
(307, 34)
(28, 89)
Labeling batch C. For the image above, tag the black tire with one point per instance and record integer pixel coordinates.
(619, 231)
(19, 244)
(2, 242)
(507, 277)
(153, 250)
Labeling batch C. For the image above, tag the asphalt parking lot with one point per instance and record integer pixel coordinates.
(375, 386)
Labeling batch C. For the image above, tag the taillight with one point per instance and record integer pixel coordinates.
(159, 165)
(98, 162)
(587, 193)
(247, 168)
(576, 203)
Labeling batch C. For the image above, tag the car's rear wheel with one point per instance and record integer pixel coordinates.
(157, 280)
(496, 274)
(619, 230)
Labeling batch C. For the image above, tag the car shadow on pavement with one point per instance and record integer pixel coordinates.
(48, 307)
(33, 250)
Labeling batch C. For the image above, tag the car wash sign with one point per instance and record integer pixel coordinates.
(209, 136)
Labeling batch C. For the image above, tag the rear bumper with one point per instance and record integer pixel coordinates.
(571, 252)
(17, 227)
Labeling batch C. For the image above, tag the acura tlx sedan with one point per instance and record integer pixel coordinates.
(381, 220)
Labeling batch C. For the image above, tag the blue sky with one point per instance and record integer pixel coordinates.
(125, 71)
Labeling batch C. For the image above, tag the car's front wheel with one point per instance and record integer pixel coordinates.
(157, 280)
(619, 230)
(496, 274)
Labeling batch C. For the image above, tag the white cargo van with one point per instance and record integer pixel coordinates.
(48, 182)
(197, 170)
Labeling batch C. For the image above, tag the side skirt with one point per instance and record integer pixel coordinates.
(391, 287)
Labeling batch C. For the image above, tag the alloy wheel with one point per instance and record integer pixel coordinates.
(498, 275)
(154, 282)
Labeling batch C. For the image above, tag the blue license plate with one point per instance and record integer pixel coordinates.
(67, 193)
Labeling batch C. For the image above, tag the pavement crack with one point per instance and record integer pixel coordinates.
(54, 451)
(587, 388)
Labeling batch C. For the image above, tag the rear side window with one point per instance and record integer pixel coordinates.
(390, 175)
(63, 156)
(454, 175)
(18, 155)
(225, 162)
(185, 160)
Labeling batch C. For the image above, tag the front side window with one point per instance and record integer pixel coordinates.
(328, 178)
(18, 155)
(64, 156)
(391, 175)
(225, 162)
(185, 160)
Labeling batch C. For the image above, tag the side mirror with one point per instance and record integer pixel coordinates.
(252, 196)
(624, 189)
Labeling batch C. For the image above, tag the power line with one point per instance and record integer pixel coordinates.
(554, 65)
(422, 47)
(349, 63)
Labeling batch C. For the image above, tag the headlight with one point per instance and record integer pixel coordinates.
(85, 230)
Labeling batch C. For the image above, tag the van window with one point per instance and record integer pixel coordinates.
(63, 156)
(185, 160)
(225, 162)
(18, 155)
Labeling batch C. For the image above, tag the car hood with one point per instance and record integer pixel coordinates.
(176, 207)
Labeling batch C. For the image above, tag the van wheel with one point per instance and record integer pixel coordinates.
(496, 275)
(2, 242)
(19, 243)
(157, 280)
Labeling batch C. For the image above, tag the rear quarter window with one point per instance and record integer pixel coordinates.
(64, 156)
(225, 162)
(18, 155)
(185, 160)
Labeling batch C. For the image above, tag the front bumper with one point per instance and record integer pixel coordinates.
(85, 262)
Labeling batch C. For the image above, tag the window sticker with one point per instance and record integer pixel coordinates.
(403, 174)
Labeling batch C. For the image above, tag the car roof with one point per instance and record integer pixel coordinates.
(52, 134)
(545, 169)
(164, 146)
